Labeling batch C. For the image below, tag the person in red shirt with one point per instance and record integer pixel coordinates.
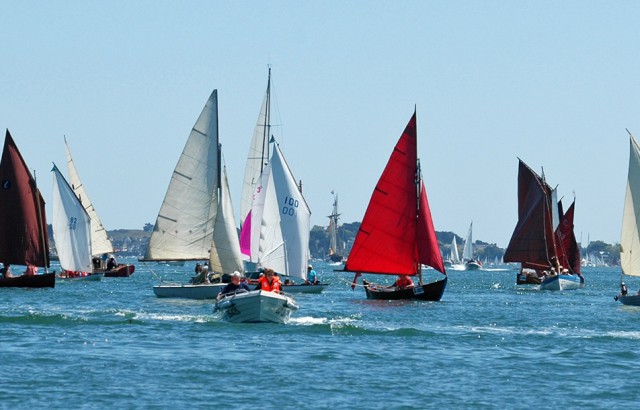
(269, 282)
(403, 282)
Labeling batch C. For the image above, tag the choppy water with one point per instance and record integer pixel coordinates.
(487, 344)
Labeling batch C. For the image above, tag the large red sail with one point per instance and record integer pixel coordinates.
(532, 239)
(23, 226)
(391, 233)
(569, 252)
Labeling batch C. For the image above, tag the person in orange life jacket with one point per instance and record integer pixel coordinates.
(403, 282)
(269, 282)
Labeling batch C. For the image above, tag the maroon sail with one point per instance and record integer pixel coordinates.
(568, 250)
(532, 242)
(23, 226)
(395, 236)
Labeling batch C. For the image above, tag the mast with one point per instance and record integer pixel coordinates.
(266, 132)
(45, 247)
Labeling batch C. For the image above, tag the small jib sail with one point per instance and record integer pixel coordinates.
(71, 226)
(185, 224)
(455, 258)
(397, 235)
(257, 157)
(278, 235)
(630, 235)
(23, 224)
(100, 242)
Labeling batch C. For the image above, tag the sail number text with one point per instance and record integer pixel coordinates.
(290, 206)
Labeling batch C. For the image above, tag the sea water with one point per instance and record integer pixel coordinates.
(487, 344)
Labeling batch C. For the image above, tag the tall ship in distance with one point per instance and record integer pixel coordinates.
(334, 255)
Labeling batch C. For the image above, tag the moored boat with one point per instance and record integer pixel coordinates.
(398, 218)
(256, 306)
(23, 223)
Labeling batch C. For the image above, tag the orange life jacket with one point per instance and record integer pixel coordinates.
(274, 286)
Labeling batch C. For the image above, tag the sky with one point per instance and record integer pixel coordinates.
(552, 82)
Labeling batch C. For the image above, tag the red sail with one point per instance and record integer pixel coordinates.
(392, 235)
(428, 249)
(23, 226)
(569, 252)
(532, 240)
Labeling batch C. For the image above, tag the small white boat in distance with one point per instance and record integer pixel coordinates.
(256, 306)
(188, 291)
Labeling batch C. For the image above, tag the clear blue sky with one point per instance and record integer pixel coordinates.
(553, 82)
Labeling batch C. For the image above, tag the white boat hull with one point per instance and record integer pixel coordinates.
(89, 278)
(202, 291)
(305, 288)
(562, 282)
(256, 306)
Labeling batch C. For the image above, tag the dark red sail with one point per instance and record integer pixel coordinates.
(532, 242)
(568, 250)
(394, 237)
(23, 226)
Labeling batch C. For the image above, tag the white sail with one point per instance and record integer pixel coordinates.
(555, 214)
(630, 237)
(185, 223)
(455, 258)
(294, 216)
(71, 227)
(467, 251)
(100, 242)
(258, 154)
(225, 251)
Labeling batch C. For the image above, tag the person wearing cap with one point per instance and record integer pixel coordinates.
(312, 278)
(269, 282)
(234, 286)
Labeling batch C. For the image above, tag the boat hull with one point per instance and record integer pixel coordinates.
(305, 288)
(629, 300)
(472, 265)
(121, 271)
(431, 292)
(256, 306)
(200, 292)
(94, 277)
(47, 280)
(562, 282)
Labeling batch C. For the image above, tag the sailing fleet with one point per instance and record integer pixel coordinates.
(196, 223)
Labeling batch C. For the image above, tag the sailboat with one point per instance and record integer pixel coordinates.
(101, 246)
(397, 236)
(630, 236)
(333, 254)
(195, 221)
(534, 242)
(454, 258)
(71, 232)
(23, 223)
(467, 252)
(278, 238)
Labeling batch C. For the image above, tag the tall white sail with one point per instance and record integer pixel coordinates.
(630, 237)
(100, 242)
(258, 154)
(225, 250)
(294, 216)
(467, 251)
(455, 258)
(185, 223)
(71, 227)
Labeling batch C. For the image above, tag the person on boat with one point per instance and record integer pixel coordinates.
(269, 282)
(312, 278)
(111, 264)
(202, 276)
(234, 286)
(623, 289)
(198, 268)
(30, 271)
(5, 272)
(96, 262)
(403, 282)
